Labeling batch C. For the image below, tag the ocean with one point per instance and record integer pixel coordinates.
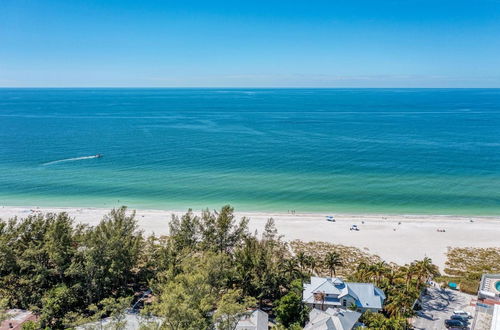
(421, 151)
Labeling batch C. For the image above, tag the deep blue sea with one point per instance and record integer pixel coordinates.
(311, 150)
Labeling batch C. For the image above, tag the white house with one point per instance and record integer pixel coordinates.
(495, 319)
(325, 292)
(332, 319)
(257, 320)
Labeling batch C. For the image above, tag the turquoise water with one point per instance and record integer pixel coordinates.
(338, 150)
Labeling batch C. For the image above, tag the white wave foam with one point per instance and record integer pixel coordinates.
(70, 160)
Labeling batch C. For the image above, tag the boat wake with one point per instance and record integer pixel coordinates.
(71, 160)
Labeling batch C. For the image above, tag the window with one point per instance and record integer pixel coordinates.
(344, 302)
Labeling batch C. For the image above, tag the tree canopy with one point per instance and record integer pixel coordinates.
(208, 272)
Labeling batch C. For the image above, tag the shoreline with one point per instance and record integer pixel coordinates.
(395, 238)
(251, 211)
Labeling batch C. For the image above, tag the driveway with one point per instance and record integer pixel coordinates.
(438, 305)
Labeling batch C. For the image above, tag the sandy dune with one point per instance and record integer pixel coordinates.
(417, 235)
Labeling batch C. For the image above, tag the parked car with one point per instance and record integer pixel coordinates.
(462, 318)
(456, 324)
(330, 218)
(354, 227)
(462, 313)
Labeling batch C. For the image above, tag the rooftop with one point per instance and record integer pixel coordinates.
(131, 321)
(490, 286)
(332, 319)
(15, 319)
(366, 295)
(257, 320)
(495, 321)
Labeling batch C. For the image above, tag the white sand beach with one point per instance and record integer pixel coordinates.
(395, 238)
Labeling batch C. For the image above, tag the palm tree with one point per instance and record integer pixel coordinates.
(396, 306)
(302, 260)
(362, 272)
(378, 270)
(407, 272)
(401, 302)
(425, 269)
(332, 260)
(396, 323)
(391, 278)
(320, 296)
(291, 269)
(312, 263)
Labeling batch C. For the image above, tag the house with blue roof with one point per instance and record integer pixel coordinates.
(326, 292)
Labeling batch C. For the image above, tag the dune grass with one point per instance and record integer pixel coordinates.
(349, 256)
(466, 265)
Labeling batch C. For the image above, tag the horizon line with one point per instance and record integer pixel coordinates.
(227, 87)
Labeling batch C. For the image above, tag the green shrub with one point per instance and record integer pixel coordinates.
(470, 287)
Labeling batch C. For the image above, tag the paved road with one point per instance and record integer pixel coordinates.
(438, 305)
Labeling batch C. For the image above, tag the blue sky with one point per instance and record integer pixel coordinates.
(415, 43)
